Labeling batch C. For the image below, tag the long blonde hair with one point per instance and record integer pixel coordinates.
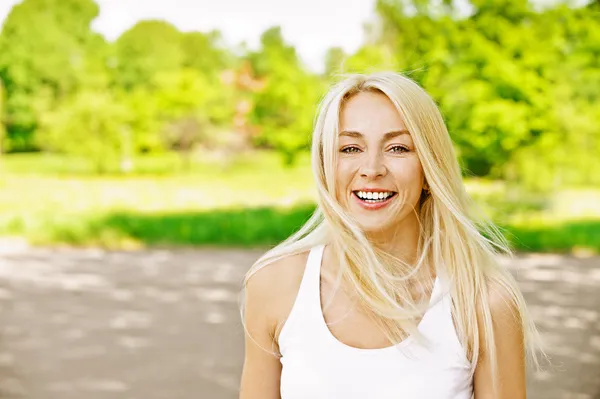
(455, 238)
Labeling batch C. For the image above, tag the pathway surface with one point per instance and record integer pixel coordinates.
(161, 324)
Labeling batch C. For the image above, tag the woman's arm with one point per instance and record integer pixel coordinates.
(262, 368)
(510, 351)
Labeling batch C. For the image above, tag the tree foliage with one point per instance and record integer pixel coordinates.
(147, 49)
(517, 86)
(90, 125)
(517, 82)
(194, 109)
(45, 52)
(284, 108)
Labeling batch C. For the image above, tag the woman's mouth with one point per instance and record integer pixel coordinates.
(373, 199)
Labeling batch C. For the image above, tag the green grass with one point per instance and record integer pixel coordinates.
(247, 201)
(225, 227)
(262, 226)
(565, 236)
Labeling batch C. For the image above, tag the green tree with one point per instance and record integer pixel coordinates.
(507, 78)
(91, 125)
(142, 120)
(283, 110)
(169, 82)
(206, 53)
(2, 118)
(44, 49)
(193, 109)
(146, 50)
(570, 63)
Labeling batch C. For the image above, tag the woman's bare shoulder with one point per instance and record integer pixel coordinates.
(272, 289)
(270, 278)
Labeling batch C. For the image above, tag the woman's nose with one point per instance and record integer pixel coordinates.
(373, 167)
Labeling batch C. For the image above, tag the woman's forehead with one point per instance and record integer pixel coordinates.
(370, 113)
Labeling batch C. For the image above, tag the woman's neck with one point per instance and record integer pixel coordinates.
(402, 242)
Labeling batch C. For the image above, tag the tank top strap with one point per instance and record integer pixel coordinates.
(437, 291)
(311, 284)
(315, 257)
(303, 315)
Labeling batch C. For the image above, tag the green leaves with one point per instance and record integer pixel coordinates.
(284, 107)
(517, 85)
(506, 77)
(91, 125)
(44, 54)
(146, 50)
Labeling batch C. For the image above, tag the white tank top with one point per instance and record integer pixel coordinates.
(316, 365)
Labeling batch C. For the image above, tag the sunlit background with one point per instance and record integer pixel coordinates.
(150, 150)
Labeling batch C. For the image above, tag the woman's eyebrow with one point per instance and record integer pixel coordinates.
(387, 136)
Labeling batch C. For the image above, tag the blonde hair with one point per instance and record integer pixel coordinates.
(454, 237)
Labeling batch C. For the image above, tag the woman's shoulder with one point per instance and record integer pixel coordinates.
(272, 289)
(284, 271)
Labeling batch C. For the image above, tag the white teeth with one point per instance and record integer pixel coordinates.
(374, 195)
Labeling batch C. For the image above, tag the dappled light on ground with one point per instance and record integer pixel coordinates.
(563, 293)
(154, 324)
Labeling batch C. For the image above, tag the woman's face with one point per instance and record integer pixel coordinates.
(377, 164)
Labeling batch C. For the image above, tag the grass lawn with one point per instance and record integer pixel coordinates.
(253, 200)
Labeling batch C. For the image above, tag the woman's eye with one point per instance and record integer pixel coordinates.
(399, 149)
(348, 150)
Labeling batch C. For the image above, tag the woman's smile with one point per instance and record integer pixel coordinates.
(373, 200)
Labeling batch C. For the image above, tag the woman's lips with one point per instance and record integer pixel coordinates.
(371, 206)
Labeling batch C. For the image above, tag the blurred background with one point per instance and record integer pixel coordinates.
(150, 151)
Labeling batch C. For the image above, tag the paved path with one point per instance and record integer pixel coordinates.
(89, 324)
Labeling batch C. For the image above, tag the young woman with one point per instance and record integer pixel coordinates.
(392, 289)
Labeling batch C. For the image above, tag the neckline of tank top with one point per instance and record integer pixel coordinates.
(329, 335)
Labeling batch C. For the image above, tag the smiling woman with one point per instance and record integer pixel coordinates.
(391, 289)
(378, 158)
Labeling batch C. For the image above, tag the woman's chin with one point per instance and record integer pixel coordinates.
(371, 227)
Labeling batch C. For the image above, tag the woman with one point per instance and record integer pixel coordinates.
(392, 289)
